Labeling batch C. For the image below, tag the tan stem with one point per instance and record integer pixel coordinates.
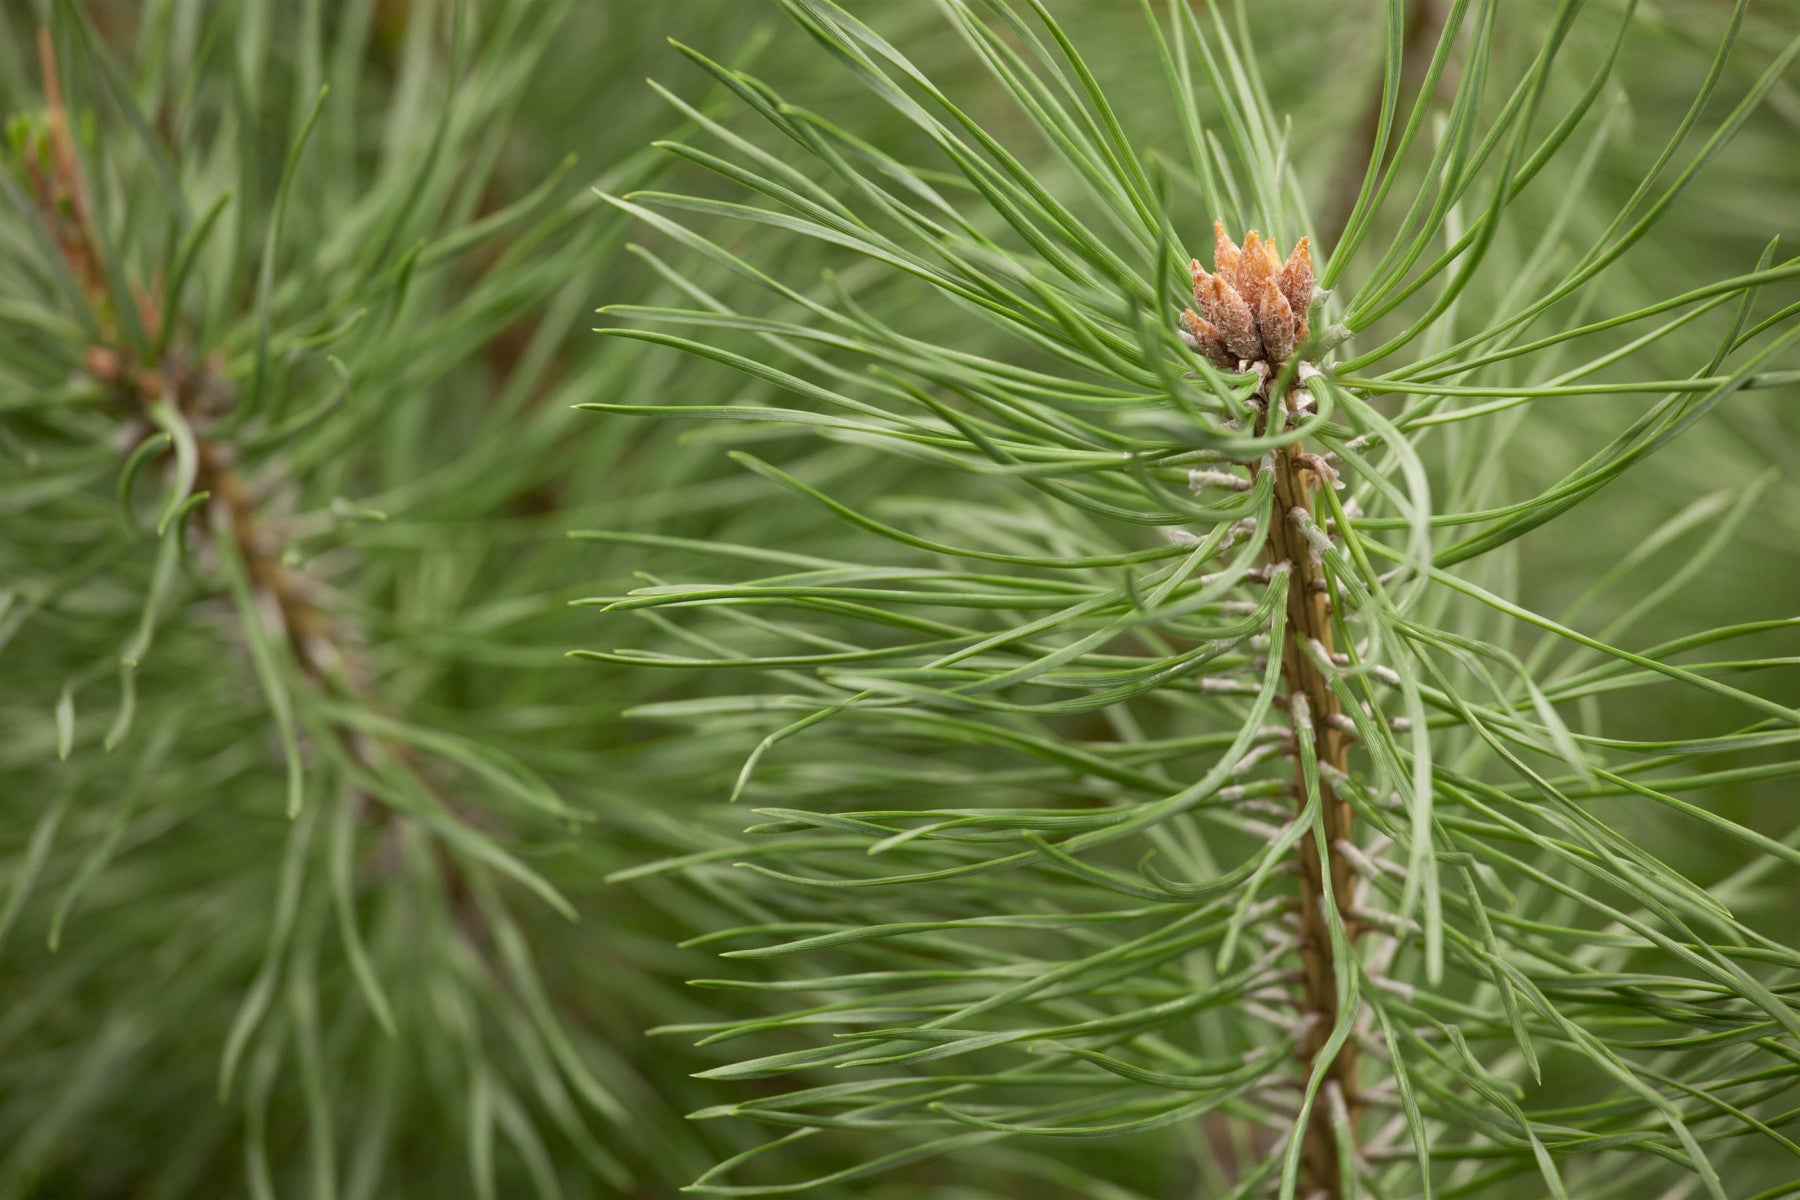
(1309, 622)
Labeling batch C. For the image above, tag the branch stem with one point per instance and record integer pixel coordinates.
(1308, 618)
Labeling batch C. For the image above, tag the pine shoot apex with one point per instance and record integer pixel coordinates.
(1252, 305)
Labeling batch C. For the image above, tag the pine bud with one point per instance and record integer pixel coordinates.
(1257, 264)
(1296, 282)
(1276, 320)
(1252, 306)
(1203, 336)
(1235, 321)
(1225, 252)
(1202, 287)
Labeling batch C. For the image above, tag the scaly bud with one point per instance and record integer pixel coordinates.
(1276, 320)
(1296, 281)
(1202, 335)
(1205, 291)
(1202, 288)
(1258, 264)
(1247, 279)
(1225, 252)
(1252, 306)
(1235, 321)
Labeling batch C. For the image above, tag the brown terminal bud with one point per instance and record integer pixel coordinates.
(1251, 266)
(1252, 306)
(1202, 281)
(1204, 337)
(1276, 320)
(1296, 281)
(1225, 252)
(1237, 324)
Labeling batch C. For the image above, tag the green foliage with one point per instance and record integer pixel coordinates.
(301, 794)
(1029, 800)
(325, 871)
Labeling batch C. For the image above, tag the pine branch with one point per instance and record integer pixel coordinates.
(985, 732)
(1267, 333)
(256, 302)
(188, 390)
(1325, 878)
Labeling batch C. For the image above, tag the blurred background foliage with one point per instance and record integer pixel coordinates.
(365, 235)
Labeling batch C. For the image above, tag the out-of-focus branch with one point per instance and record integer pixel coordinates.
(195, 388)
(1424, 24)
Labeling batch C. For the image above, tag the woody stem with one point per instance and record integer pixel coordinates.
(1308, 624)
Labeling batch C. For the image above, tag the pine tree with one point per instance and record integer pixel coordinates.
(1306, 722)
